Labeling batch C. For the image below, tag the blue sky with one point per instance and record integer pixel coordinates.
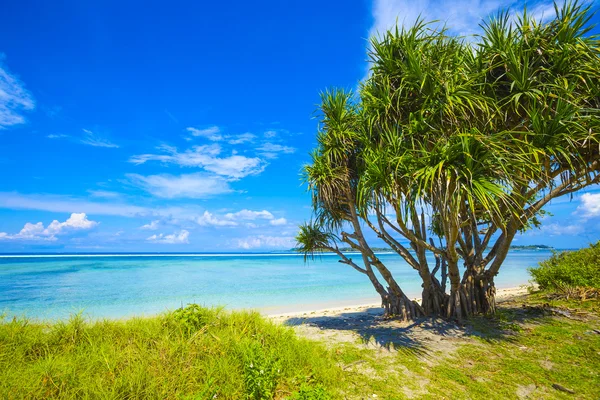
(182, 126)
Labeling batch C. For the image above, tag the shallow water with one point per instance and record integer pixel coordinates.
(121, 286)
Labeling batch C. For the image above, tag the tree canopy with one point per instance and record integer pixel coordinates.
(453, 145)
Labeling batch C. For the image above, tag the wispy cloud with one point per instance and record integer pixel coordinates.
(57, 136)
(14, 98)
(194, 186)
(66, 204)
(92, 139)
(208, 158)
(239, 139)
(263, 241)
(211, 133)
(181, 237)
(37, 231)
(249, 215)
(272, 150)
(104, 194)
(461, 16)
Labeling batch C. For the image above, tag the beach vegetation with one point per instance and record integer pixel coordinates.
(570, 274)
(531, 347)
(450, 148)
(193, 352)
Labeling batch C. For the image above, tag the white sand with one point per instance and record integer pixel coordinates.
(362, 306)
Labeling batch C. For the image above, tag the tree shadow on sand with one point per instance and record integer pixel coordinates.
(424, 334)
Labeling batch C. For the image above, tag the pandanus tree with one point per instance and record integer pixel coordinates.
(450, 148)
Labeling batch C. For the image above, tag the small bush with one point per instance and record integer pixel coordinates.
(193, 317)
(579, 268)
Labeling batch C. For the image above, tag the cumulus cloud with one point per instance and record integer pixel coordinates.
(211, 133)
(181, 237)
(92, 139)
(207, 157)
(590, 205)
(208, 218)
(262, 241)
(278, 221)
(194, 186)
(152, 226)
(14, 98)
(236, 218)
(77, 221)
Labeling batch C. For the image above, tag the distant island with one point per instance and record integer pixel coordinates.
(387, 249)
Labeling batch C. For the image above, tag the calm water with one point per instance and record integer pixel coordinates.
(119, 286)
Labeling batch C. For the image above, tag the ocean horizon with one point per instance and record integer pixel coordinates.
(119, 285)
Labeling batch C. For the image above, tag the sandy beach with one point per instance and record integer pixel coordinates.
(363, 325)
(370, 306)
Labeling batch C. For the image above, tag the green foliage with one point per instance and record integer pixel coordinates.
(579, 268)
(192, 352)
(479, 135)
(192, 318)
(261, 372)
(307, 392)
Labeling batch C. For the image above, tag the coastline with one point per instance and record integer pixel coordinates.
(367, 307)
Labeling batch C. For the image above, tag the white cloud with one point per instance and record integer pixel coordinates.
(239, 139)
(209, 219)
(55, 203)
(249, 215)
(105, 194)
(194, 186)
(278, 221)
(261, 241)
(14, 98)
(91, 139)
(590, 205)
(211, 133)
(77, 221)
(56, 136)
(461, 16)
(557, 229)
(152, 226)
(233, 167)
(276, 148)
(270, 134)
(176, 238)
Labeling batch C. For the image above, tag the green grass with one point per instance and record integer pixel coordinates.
(197, 353)
(191, 353)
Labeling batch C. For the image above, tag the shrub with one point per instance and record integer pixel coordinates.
(579, 268)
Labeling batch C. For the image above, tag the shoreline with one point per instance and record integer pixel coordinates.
(373, 306)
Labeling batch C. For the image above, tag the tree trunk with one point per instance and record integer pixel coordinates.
(433, 299)
(401, 307)
(475, 295)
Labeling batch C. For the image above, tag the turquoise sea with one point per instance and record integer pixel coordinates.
(56, 286)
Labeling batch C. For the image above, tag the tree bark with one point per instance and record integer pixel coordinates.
(476, 295)
(401, 307)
